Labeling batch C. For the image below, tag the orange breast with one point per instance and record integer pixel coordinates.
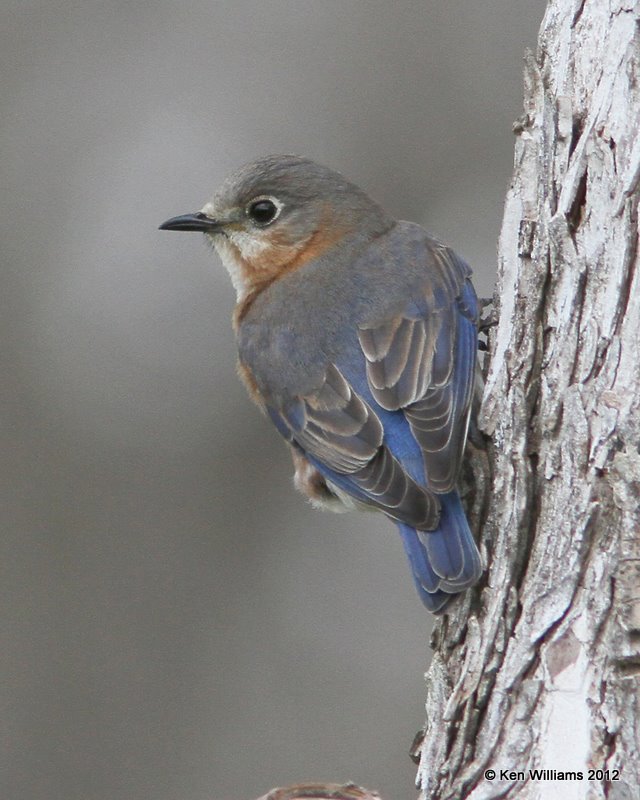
(279, 257)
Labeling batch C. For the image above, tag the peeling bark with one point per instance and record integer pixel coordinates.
(321, 791)
(539, 667)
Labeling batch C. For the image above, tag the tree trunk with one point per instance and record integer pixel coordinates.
(539, 667)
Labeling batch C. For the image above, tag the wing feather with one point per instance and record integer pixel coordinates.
(343, 437)
(422, 361)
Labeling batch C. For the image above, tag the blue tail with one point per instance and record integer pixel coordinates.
(444, 561)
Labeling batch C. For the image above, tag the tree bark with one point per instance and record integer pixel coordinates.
(538, 668)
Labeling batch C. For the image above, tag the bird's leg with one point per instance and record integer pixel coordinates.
(488, 321)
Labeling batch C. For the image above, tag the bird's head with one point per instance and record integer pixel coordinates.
(276, 214)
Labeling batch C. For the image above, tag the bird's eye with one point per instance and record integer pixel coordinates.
(263, 211)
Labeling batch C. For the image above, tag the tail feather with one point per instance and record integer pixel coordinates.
(444, 561)
(418, 559)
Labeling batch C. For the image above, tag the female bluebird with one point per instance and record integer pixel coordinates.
(357, 335)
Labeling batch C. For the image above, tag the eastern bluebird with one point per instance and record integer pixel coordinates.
(357, 335)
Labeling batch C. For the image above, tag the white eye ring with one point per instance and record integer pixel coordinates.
(264, 210)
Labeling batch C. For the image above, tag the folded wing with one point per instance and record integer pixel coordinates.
(344, 438)
(422, 361)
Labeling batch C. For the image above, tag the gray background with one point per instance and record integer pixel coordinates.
(176, 621)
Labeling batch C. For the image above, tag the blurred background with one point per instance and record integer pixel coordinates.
(177, 623)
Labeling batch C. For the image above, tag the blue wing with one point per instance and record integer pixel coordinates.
(423, 362)
(388, 424)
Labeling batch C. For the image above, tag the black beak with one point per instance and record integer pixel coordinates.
(192, 222)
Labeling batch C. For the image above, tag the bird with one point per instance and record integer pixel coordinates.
(357, 336)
